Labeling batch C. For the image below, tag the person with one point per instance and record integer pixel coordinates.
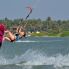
(14, 37)
(2, 30)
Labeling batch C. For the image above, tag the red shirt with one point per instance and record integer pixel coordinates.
(2, 29)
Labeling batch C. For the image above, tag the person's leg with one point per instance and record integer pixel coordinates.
(7, 38)
(10, 36)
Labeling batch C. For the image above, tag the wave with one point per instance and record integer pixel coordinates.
(29, 41)
(26, 41)
(35, 57)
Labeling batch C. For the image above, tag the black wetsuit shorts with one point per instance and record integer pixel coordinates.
(0, 44)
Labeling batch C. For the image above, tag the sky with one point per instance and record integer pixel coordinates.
(13, 9)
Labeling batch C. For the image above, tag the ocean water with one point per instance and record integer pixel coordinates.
(35, 53)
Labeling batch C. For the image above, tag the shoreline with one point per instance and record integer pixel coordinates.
(45, 34)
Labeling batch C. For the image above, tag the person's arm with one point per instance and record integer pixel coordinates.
(17, 30)
(21, 32)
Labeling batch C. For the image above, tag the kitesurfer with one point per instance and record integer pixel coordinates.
(14, 37)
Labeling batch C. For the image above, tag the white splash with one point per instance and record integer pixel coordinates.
(35, 57)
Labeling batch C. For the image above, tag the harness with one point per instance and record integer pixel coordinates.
(17, 36)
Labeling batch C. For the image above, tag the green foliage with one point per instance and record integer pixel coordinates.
(52, 27)
(52, 34)
(65, 33)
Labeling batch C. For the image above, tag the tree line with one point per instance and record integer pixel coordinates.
(48, 25)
